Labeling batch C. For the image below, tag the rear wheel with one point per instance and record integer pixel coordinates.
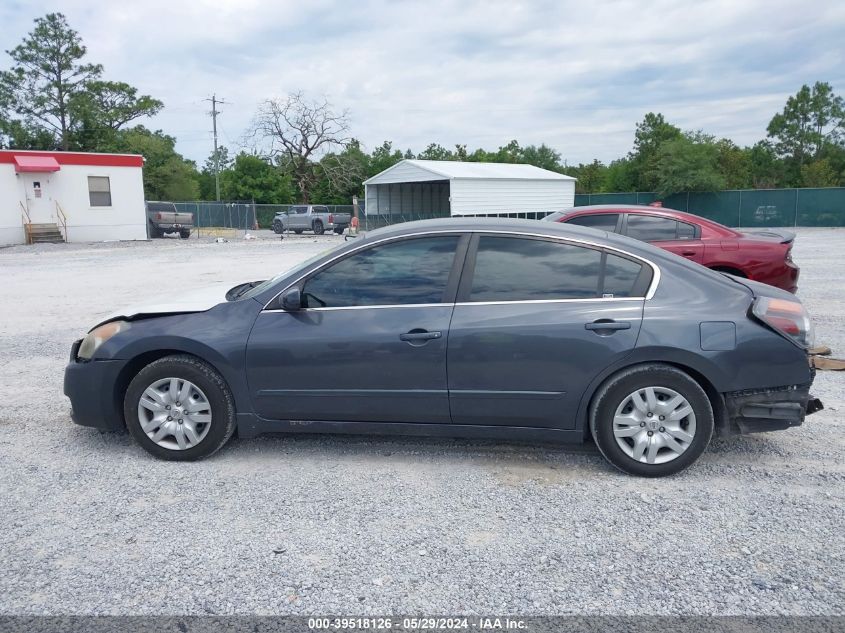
(339, 229)
(185, 234)
(318, 227)
(651, 420)
(179, 408)
(155, 232)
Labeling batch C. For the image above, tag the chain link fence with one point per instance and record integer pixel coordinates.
(745, 207)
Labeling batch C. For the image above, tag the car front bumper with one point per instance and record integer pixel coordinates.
(90, 385)
(761, 410)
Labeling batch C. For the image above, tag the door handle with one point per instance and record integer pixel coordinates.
(608, 324)
(688, 253)
(417, 336)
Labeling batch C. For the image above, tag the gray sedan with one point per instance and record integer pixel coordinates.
(507, 329)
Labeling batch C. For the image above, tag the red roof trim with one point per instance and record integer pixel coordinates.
(77, 158)
(35, 164)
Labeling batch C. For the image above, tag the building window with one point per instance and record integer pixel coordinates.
(99, 191)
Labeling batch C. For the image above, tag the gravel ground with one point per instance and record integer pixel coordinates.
(90, 524)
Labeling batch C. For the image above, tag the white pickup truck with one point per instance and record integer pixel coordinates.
(310, 217)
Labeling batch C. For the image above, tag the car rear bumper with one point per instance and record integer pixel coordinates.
(90, 387)
(761, 410)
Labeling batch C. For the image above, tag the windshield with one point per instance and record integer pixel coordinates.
(264, 285)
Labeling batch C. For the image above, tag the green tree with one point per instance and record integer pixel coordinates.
(591, 177)
(207, 182)
(651, 133)
(384, 157)
(811, 119)
(688, 163)
(46, 75)
(167, 175)
(767, 170)
(819, 173)
(620, 175)
(734, 164)
(104, 107)
(253, 178)
(436, 151)
(541, 156)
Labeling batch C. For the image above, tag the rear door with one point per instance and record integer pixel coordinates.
(536, 320)
(675, 236)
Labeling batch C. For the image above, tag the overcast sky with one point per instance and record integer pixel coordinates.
(575, 75)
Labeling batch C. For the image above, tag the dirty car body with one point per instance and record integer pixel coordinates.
(486, 328)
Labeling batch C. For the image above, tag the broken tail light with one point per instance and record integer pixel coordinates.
(787, 318)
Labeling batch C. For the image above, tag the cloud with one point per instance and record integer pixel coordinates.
(577, 76)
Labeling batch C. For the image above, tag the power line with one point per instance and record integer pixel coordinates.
(214, 112)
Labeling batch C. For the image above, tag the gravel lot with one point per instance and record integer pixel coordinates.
(90, 524)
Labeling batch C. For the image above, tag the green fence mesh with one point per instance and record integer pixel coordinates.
(745, 207)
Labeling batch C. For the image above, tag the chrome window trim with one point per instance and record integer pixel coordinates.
(460, 303)
(655, 279)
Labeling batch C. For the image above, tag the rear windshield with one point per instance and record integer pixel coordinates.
(166, 207)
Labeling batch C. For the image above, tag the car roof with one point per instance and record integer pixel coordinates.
(640, 208)
(508, 225)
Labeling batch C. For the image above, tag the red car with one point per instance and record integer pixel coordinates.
(764, 256)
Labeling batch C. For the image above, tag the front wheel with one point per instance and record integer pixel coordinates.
(179, 408)
(318, 227)
(277, 227)
(651, 420)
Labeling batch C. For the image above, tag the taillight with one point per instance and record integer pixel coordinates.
(788, 318)
(331, 219)
(158, 216)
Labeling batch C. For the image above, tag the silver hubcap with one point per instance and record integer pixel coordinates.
(654, 425)
(174, 413)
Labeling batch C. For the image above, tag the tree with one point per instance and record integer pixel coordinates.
(688, 163)
(819, 173)
(435, 151)
(207, 183)
(298, 132)
(167, 175)
(620, 175)
(253, 178)
(651, 133)
(384, 157)
(734, 164)
(811, 119)
(47, 74)
(541, 156)
(104, 107)
(590, 177)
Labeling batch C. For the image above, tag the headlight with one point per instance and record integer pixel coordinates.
(98, 336)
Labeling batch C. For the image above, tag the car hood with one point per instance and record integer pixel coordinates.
(197, 300)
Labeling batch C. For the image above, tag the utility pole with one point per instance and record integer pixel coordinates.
(214, 112)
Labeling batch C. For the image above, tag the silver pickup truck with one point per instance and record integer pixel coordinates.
(163, 217)
(310, 217)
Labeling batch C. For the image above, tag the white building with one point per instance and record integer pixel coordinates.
(426, 188)
(77, 197)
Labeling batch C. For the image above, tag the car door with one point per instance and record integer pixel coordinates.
(370, 343)
(536, 320)
(681, 238)
(298, 218)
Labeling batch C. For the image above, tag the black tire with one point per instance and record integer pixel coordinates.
(318, 227)
(616, 390)
(339, 229)
(185, 234)
(205, 377)
(298, 231)
(155, 232)
(277, 227)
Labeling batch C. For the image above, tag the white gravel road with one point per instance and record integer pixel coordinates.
(90, 524)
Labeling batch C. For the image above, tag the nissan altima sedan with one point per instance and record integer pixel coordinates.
(480, 328)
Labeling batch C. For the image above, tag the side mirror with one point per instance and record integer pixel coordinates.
(292, 299)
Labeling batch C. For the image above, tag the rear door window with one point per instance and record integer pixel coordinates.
(602, 221)
(650, 228)
(521, 269)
